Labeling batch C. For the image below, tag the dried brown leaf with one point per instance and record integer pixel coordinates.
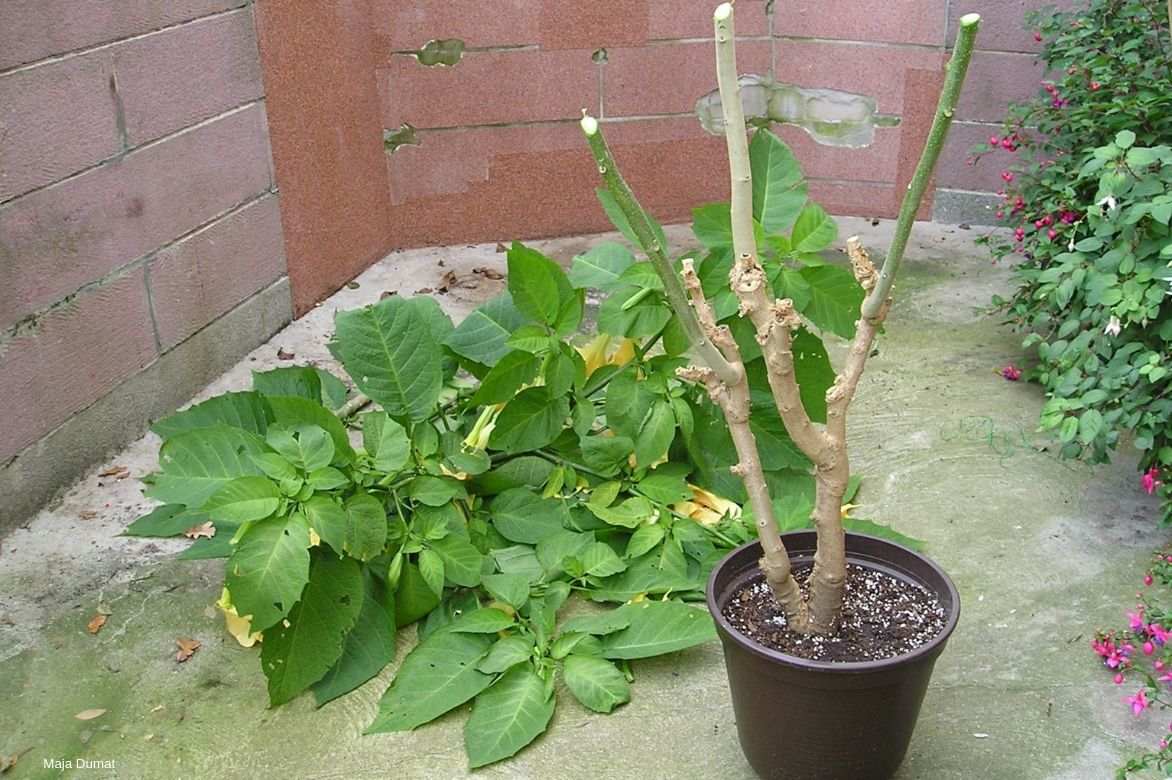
(489, 273)
(117, 471)
(187, 648)
(87, 514)
(96, 623)
(201, 531)
(283, 354)
(90, 714)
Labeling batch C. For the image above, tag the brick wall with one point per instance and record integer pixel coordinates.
(140, 239)
(500, 155)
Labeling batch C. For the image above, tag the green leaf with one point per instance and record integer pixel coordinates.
(814, 230)
(645, 318)
(315, 448)
(268, 569)
(606, 454)
(462, 561)
(1124, 139)
(835, 298)
(656, 435)
(391, 354)
(658, 627)
(779, 189)
(631, 513)
(600, 560)
(435, 491)
(483, 334)
(244, 500)
(385, 441)
(596, 683)
(619, 220)
(219, 546)
(329, 519)
(413, 597)
(300, 381)
(512, 589)
(561, 371)
(537, 284)
(246, 411)
(645, 538)
(505, 378)
(712, 225)
(507, 717)
(519, 559)
(197, 463)
(523, 516)
(300, 650)
(506, 653)
(165, 520)
(528, 470)
(531, 338)
(369, 646)
(294, 413)
(860, 526)
(665, 485)
(1090, 425)
(1069, 429)
(366, 527)
(599, 623)
(601, 266)
(334, 392)
(555, 548)
(439, 675)
(431, 567)
(486, 620)
(533, 419)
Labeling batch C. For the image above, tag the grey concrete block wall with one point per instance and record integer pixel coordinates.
(140, 239)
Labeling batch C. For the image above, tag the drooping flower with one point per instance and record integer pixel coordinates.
(239, 627)
(1149, 480)
(705, 507)
(1114, 326)
(1135, 620)
(1011, 372)
(1108, 201)
(1138, 702)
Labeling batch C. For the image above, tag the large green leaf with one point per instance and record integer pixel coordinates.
(601, 266)
(268, 569)
(527, 470)
(414, 598)
(512, 589)
(292, 412)
(533, 419)
(625, 315)
(533, 283)
(630, 513)
(165, 520)
(712, 225)
(385, 441)
(779, 189)
(505, 378)
(243, 500)
(483, 334)
(507, 653)
(197, 463)
(369, 646)
(658, 627)
(656, 434)
(439, 675)
(462, 561)
(329, 520)
(523, 516)
(507, 717)
(606, 454)
(247, 411)
(596, 683)
(390, 353)
(663, 570)
(300, 650)
(835, 298)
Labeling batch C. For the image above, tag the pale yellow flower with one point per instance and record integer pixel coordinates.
(706, 507)
(239, 627)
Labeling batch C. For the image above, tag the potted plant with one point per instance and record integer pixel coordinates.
(829, 638)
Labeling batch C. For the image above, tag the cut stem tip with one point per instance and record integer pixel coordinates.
(722, 12)
(968, 20)
(589, 125)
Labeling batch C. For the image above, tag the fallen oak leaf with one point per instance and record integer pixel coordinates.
(116, 471)
(201, 531)
(90, 714)
(283, 354)
(187, 648)
(87, 514)
(96, 623)
(489, 273)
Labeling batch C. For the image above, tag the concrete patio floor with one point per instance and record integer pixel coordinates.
(1042, 551)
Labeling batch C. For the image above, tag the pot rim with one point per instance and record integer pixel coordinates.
(928, 650)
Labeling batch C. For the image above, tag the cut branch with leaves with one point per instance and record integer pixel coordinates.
(720, 366)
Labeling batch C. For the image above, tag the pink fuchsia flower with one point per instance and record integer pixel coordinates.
(1019, 234)
(1038, 37)
(994, 140)
(1000, 215)
(1148, 581)
(1118, 679)
(1007, 175)
(1164, 678)
(1051, 234)
(1149, 480)
(1138, 702)
(1159, 666)
(1135, 620)
(1011, 372)
(1160, 634)
(1095, 86)
(1149, 648)
(1069, 217)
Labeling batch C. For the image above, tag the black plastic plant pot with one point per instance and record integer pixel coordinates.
(815, 720)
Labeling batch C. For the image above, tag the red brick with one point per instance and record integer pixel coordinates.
(1003, 26)
(671, 19)
(205, 275)
(669, 78)
(877, 71)
(995, 80)
(877, 162)
(405, 26)
(55, 119)
(572, 24)
(921, 91)
(490, 87)
(908, 21)
(57, 239)
(955, 172)
(173, 79)
(72, 356)
(856, 199)
(323, 107)
(31, 30)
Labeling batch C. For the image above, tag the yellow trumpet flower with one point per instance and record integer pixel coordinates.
(477, 438)
(239, 627)
(706, 508)
(595, 353)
